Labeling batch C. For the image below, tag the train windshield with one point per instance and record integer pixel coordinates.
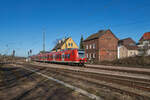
(81, 53)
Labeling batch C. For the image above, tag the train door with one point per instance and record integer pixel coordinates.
(53, 57)
(63, 56)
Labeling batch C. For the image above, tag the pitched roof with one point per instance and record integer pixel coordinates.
(97, 35)
(59, 45)
(146, 36)
(131, 47)
(127, 41)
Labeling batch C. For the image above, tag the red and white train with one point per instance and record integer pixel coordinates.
(69, 56)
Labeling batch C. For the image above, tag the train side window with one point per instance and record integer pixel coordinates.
(72, 53)
(68, 56)
(63, 56)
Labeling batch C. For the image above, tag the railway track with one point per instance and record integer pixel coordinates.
(139, 85)
(115, 69)
(121, 69)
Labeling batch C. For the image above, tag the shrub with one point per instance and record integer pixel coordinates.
(138, 61)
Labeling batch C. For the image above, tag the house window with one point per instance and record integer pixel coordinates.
(86, 46)
(90, 46)
(87, 55)
(94, 46)
(65, 56)
(71, 44)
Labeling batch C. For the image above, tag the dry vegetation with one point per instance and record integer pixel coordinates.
(7, 59)
(1, 72)
(138, 61)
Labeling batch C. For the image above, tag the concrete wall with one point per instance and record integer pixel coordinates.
(123, 52)
(132, 53)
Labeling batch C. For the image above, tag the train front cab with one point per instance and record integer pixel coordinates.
(81, 57)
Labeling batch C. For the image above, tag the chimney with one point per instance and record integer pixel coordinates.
(59, 41)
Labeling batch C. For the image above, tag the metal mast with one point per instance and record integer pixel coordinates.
(43, 41)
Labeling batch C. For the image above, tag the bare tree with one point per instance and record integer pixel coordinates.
(55, 42)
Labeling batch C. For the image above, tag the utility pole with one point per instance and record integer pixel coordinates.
(30, 52)
(44, 41)
(13, 56)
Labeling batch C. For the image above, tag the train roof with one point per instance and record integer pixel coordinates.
(68, 49)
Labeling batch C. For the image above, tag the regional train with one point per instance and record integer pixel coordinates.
(68, 56)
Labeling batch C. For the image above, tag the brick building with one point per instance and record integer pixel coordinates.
(101, 46)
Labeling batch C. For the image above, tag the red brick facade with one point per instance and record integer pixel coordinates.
(103, 47)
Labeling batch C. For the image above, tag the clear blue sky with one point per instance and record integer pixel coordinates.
(22, 21)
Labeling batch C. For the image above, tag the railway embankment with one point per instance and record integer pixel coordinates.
(95, 70)
(99, 84)
(21, 84)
